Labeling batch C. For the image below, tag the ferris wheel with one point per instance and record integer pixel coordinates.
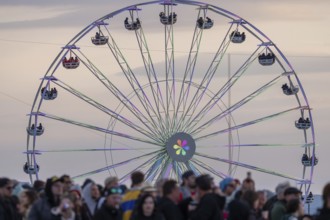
(164, 87)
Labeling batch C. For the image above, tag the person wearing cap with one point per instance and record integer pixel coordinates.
(8, 208)
(228, 188)
(41, 209)
(279, 209)
(110, 209)
(188, 185)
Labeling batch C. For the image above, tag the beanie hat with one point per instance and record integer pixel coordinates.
(225, 182)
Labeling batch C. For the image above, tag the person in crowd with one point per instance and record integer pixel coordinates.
(132, 194)
(79, 209)
(109, 182)
(149, 189)
(251, 199)
(206, 207)
(248, 183)
(65, 210)
(228, 188)
(39, 186)
(168, 203)
(279, 190)
(262, 198)
(294, 210)
(307, 217)
(41, 209)
(111, 209)
(324, 212)
(67, 183)
(8, 209)
(26, 199)
(188, 186)
(146, 209)
(279, 208)
(159, 186)
(91, 195)
(239, 209)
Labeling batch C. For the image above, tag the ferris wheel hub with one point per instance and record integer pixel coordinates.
(181, 147)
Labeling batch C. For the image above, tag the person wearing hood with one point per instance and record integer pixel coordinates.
(91, 195)
(41, 210)
(8, 210)
(110, 209)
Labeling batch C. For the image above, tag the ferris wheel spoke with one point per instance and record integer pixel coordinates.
(140, 167)
(208, 168)
(190, 166)
(146, 121)
(191, 63)
(114, 165)
(133, 81)
(260, 145)
(232, 108)
(207, 78)
(112, 132)
(150, 70)
(155, 167)
(169, 68)
(248, 123)
(165, 172)
(274, 173)
(68, 150)
(104, 109)
(222, 91)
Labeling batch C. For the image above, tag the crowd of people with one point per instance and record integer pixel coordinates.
(194, 198)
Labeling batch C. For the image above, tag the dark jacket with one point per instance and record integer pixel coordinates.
(108, 213)
(8, 210)
(324, 214)
(207, 209)
(279, 210)
(221, 201)
(238, 210)
(40, 210)
(169, 209)
(155, 216)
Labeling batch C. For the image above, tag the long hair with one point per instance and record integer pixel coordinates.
(49, 194)
(139, 207)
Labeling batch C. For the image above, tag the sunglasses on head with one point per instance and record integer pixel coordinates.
(116, 191)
